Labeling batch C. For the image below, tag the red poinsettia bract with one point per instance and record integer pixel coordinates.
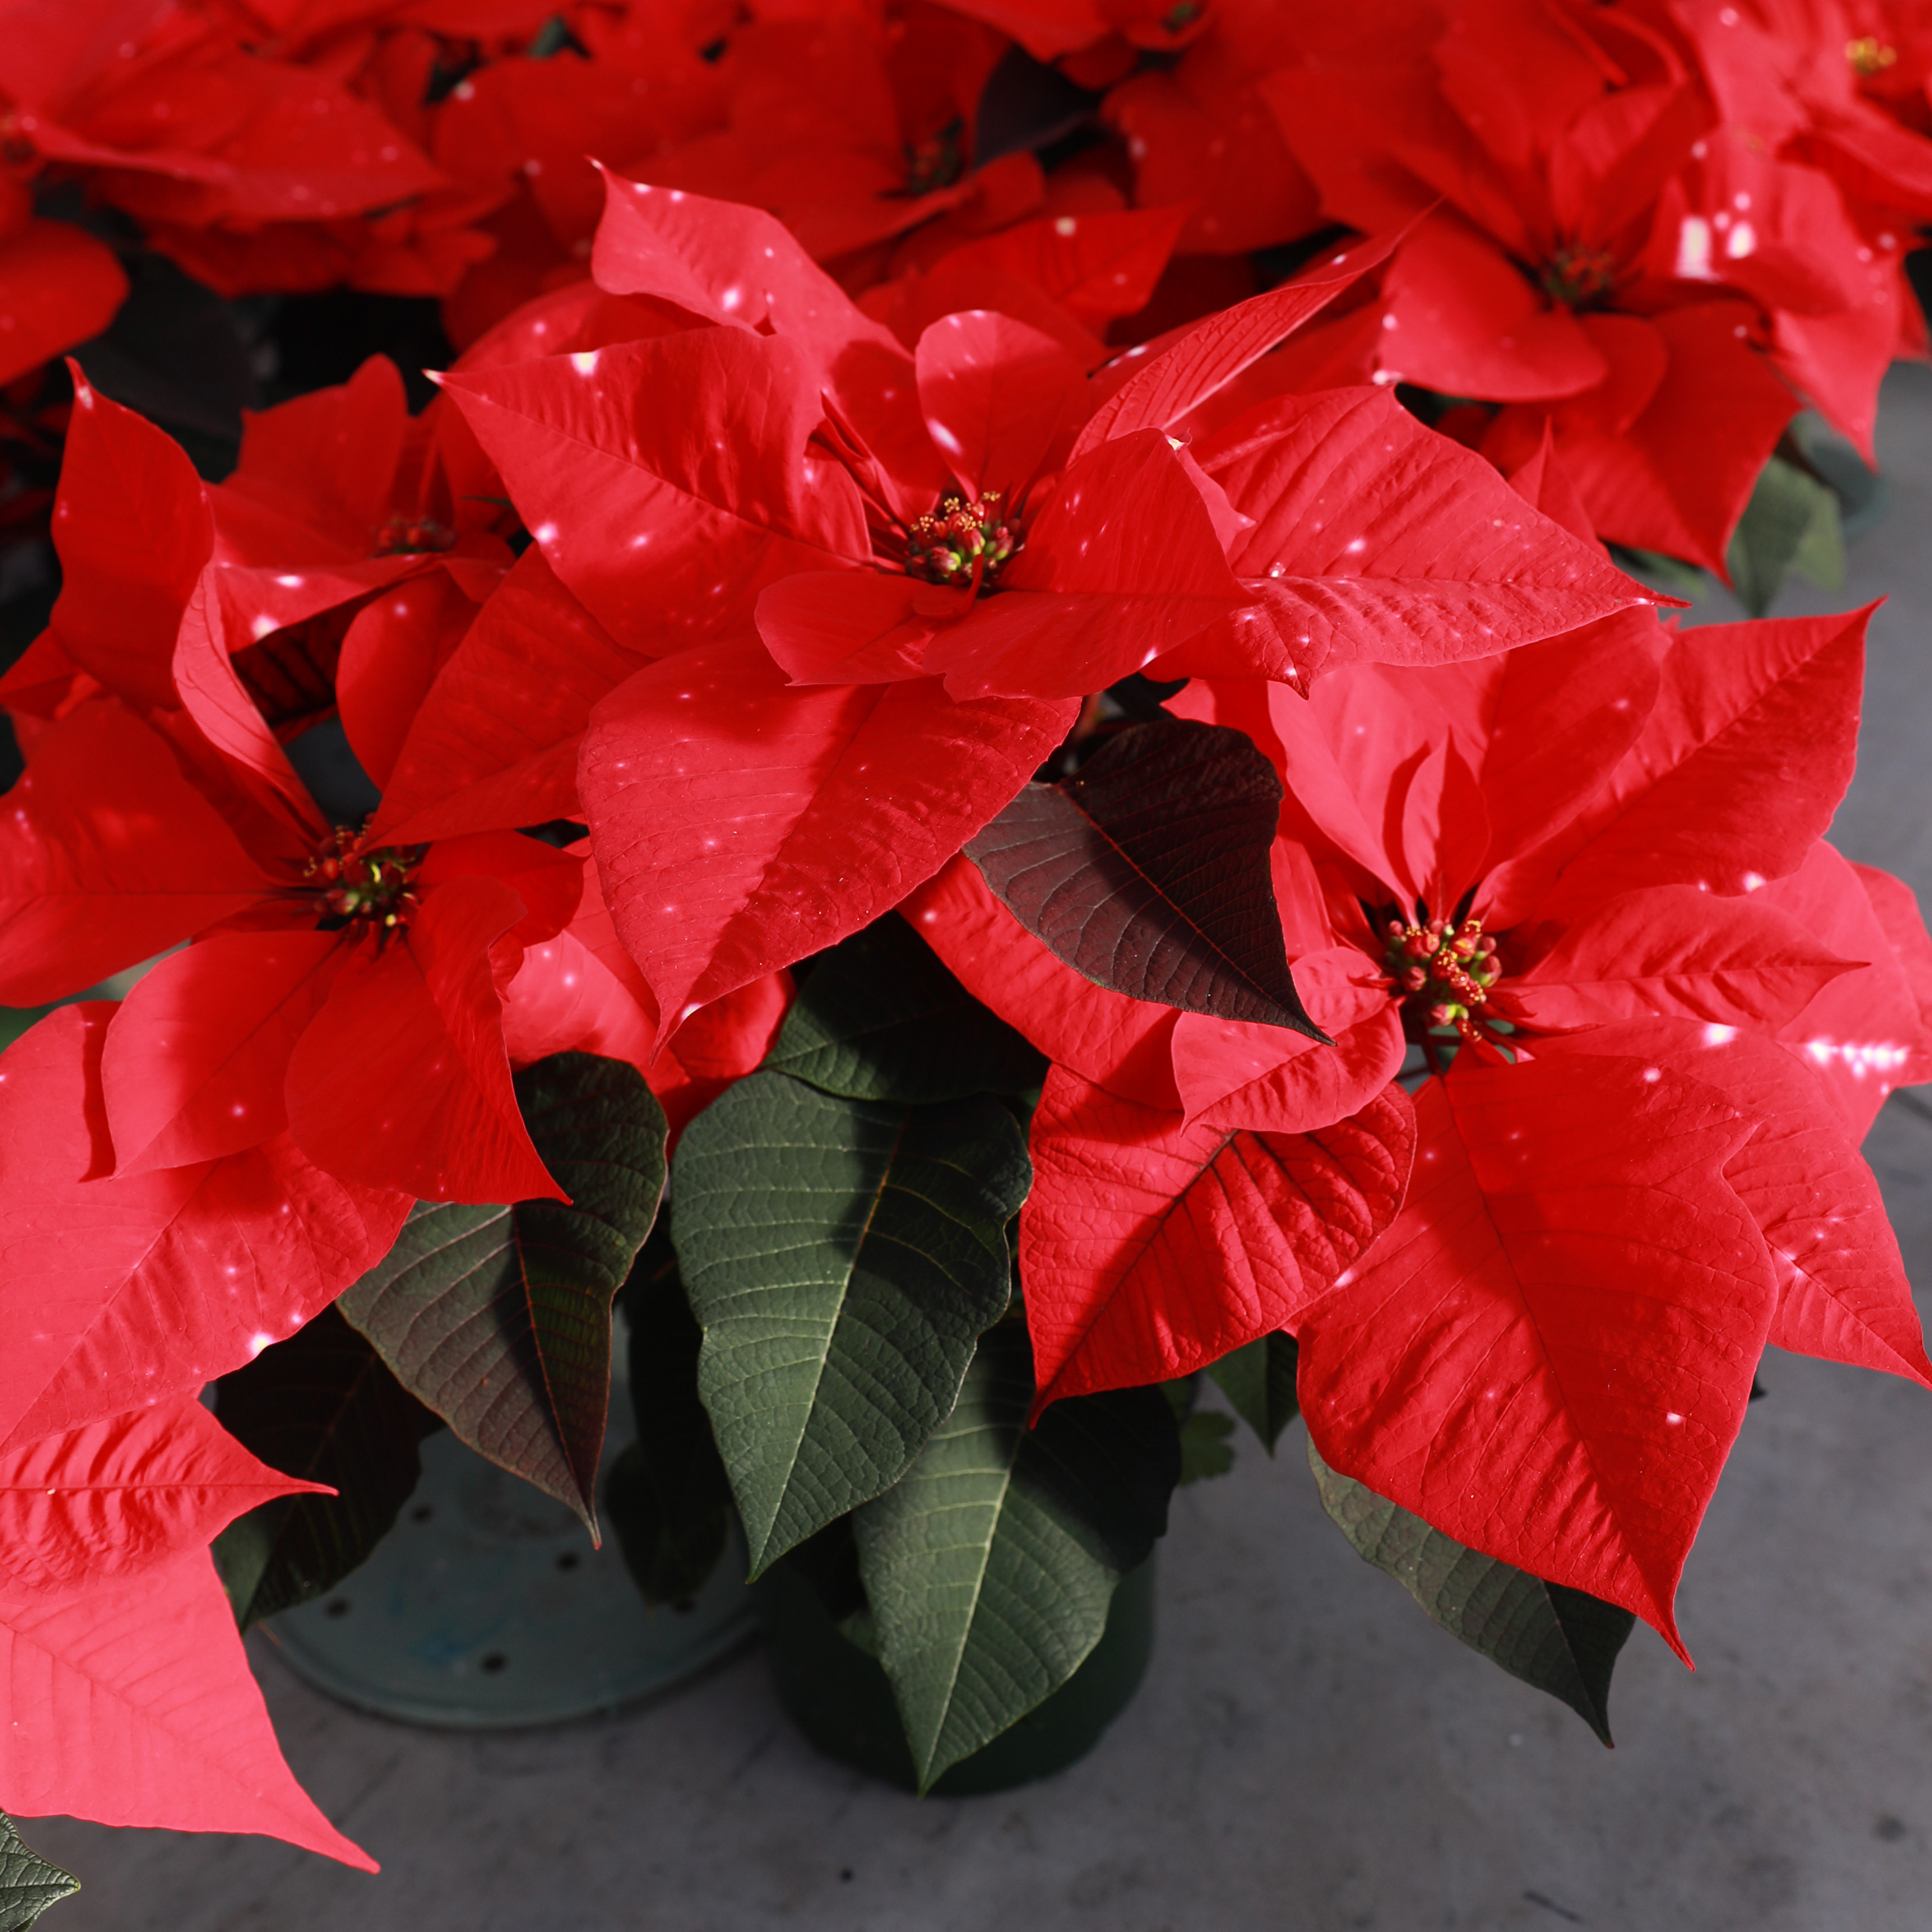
(1672, 1012)
(875, 585)
(1625, 252)
(343, 991)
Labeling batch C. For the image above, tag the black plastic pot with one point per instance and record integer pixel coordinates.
(838, 1696)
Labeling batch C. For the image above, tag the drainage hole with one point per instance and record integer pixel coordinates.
(338, 1608)
(495, 1662)
(422, 1512)
(569, 1560)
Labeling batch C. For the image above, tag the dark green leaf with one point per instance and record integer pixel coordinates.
(827, 1563)
(842, 1256)
(667, 1496)
(1790, 524)
(880, 1018)
(989, 1568)
(1561, 1640)
(28, 1885)
(1258, 1381)
(1204, 1445)
(1662, 572)
(1147, 871)
(321, 1406)
(499, 1318)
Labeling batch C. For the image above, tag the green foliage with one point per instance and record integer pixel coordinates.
(1562, 1641)
(990, 1566)
(667, 1496)
(842, 1256)
(880, 1018)
(321, 1406)
(28, 1885)
(498, 1318)
(1791, 523)
(1258, 1381)
(1204, 1448)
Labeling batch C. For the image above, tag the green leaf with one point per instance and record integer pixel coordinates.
(1662, 572)
(1561, 1640)
(667, 1495)
(880, 1018)
(324, 1406)
(1205, 1450)
(989, 1568)
(28, 1885)
(842, 1256)
(1258, 1381)
(498, 1318)
(1790, 524)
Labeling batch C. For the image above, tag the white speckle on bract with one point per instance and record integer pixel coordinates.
(1652, 1074)
(545, 533)
(257, 1342)
(1693, 249)
(1716, 1035)
(584, 362)
(1671, 1416)
(1753, 880)
(290, 583)
(262, 625)
(1858, 1058)
(1066, 225)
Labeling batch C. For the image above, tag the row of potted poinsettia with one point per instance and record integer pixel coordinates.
(1081, 870)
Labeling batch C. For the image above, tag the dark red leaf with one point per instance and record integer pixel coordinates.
(1148, 872)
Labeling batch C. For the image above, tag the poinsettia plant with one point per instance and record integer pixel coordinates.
(966, 765)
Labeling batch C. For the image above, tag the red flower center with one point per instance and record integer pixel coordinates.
(368, 889)
(963, 541)
(1442, 970)
(413, 536)
(1578, 277)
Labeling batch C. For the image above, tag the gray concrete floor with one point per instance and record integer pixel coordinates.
(1309, 1752)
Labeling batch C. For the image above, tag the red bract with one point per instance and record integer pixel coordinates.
(166, 116)
(345, 991)
(788, 459)
(110, 1607)
(1067, 275)
(517, 131)
(58, 285)
(1601, 202)
(1677, 1011)
(818, 133)
(175, 1734)
(1201, 137)
(1830, 184)
(1645, 918)
(109, 1303)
